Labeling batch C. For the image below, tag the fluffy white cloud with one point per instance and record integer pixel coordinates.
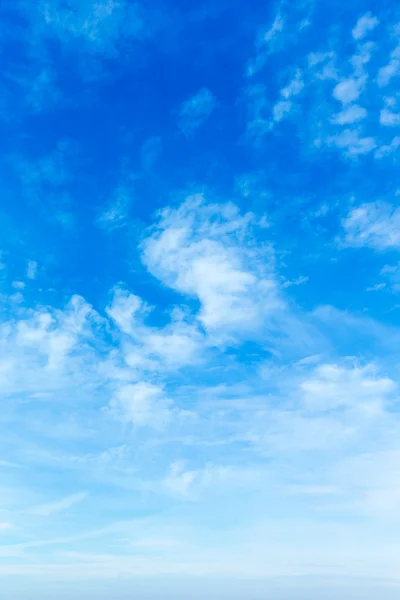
(205, 251)
(52, 344)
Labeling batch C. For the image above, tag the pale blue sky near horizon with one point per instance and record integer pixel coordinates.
(199, 299)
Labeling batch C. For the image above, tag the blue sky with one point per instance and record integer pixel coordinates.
(199, 296)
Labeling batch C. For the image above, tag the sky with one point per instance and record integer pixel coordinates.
(199, 299)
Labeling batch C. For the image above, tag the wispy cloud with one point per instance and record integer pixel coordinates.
(31, 269)
(375, 225)
(195, 111)
(45, 510)
(116, 213)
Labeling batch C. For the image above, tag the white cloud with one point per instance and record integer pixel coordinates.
(353, 142)
(195, 111)
(274, 30)
(389, 118)
(377, 287)
(375, 225)
(281, 110)
(299, 281)
(143, 405)
(392, 69)
(323, 65)
(349, 115)
(45, 510)
(265, 45)
(124, 310)
(285, 106)
(31, 270)
(18, 285)
(348, 90)
(294, 87)
(205, 251)
(332, 387)
(46, 341)
(192, 484)
(365, 25)
(387, 149)
(177, 343)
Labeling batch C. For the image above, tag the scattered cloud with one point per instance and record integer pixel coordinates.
(195, 111)
(374, 225)
(364, 26)
(389, 118)
(116, 214)
(100, 26)
(351, 114)
(31, 270)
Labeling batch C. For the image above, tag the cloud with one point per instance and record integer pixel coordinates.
(116, 214)
(189, 484)
(177, 343)
(195, 111)
(265, 45)
(333, 387)
(31, 269)
(392, 68)
(142, 404)
(299, 281)
(351, 114)
(375, 225)
(348, 90)
(359, 127)
(389, 118)
(365, 25)
(353, 142)
(388, 149)
(51, 343)
(285, 106)
(45, 510)
(204, 251)
(99, 25)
